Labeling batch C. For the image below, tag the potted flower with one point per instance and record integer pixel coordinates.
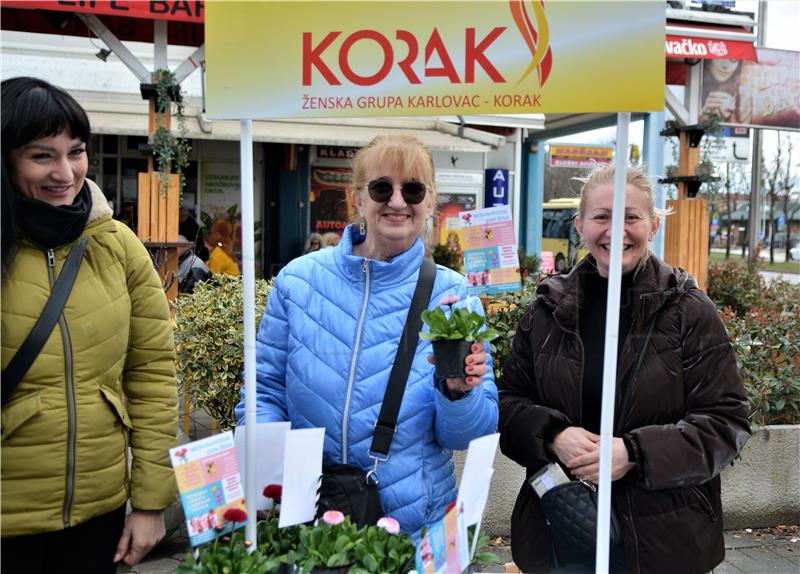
(452, 334)
(232, 555)
(327, 547)
(383, 549)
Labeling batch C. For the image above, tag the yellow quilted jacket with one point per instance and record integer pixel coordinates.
(104, 381)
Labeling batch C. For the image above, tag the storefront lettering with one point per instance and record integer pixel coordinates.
(474, 56)
(686, 47)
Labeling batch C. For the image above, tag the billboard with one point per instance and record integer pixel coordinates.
(367, 58)
(757, 94)
(567, 155)
(173, 10)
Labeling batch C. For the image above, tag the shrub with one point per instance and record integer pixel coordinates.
(528, 264)
(762, 321)
(503, 314)
(443, 255)
(730, 285)
(210, 344)
(768, 356)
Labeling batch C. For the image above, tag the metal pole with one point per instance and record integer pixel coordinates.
(755, 179)
(654, 161)
(610, 356)
(249, 306)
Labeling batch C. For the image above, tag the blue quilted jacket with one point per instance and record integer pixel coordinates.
(324, 351)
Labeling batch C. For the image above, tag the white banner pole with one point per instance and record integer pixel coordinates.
(249, 318)
(612, 336)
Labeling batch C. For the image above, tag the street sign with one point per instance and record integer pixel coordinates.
(732, 147)
(495, 187)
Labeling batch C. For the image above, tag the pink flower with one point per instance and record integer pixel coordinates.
(333, 517)
(449, 300)
(389, 524)
(274, 492)
(235, 515)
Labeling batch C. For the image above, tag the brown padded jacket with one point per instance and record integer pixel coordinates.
(686, 421)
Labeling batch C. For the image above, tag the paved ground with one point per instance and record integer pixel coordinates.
(761, 551)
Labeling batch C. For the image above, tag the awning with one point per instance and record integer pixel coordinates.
(692, 46)
(108, 117)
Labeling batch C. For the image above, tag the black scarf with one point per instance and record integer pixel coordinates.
(51, 226)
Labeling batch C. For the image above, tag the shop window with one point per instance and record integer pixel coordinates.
(110, 144)
(132, 143)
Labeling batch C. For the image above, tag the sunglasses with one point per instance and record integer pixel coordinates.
(382, 189)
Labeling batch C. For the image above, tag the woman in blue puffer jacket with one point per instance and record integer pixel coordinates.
(333, 323)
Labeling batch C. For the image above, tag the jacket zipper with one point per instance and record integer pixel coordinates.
(706, 503)
(633, 529)
(70, 390)
(345, 420)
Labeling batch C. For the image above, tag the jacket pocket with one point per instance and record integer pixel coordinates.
(115, 401)
(20, 410)
(705, 503)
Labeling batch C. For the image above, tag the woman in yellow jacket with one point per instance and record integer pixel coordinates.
(221, 258)
(104, 380)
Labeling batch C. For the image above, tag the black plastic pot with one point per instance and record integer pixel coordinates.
(450, 355)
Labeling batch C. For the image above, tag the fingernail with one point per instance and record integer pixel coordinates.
(116, 557)
(470, 360)
(470, 369)
(477, 348)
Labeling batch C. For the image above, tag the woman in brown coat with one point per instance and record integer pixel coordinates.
(687, 415)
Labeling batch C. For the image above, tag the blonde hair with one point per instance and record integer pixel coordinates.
(603, 175)
(403, 153)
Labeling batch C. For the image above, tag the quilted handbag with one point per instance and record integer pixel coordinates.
(571, 513)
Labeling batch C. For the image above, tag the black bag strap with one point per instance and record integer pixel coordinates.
(386, 425)
(628, 389)
(32, 346)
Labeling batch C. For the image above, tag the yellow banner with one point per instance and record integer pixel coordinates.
(396, 58)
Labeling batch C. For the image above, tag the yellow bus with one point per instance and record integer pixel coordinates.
(559, 236)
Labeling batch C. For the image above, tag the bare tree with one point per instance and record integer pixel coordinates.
(789, 182)
(737, 180)
(779, 180)
(771, 180)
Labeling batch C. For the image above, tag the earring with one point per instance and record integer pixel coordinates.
(362, 227)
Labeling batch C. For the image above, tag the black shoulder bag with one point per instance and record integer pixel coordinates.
(571, 508)
(32, 346)
(348, 488)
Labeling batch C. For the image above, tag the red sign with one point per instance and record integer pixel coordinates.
(173, 10)
(579, 156)
(708, 49)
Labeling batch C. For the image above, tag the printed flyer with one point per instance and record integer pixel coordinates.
(491, 262)
(209, 484)
(444, 548)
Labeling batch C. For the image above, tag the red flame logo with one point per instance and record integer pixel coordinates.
(536, 36)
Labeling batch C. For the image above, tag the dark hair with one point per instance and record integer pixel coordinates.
(30, 109)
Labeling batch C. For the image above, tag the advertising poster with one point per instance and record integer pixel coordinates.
(444, 549)
(447, 227)
(491, 262)
(209, 484)
(220, 184)
(367, 58)
(329, 205)
(758, 94)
